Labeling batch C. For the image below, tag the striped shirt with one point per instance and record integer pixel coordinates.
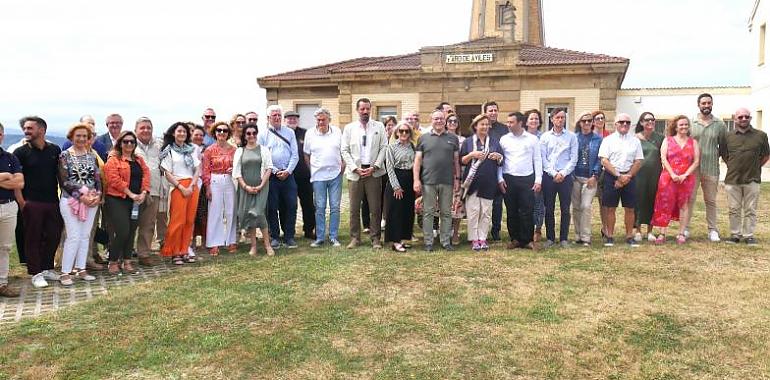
(398, 156)
(709, 137)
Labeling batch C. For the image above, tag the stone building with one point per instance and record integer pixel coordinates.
(504, 60)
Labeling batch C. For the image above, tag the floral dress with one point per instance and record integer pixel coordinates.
(672, 196)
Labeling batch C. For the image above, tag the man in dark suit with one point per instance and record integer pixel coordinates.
(114, 127)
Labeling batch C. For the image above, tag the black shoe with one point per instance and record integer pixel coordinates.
(751, 241)
(734, 239)
(428, 248)
(632, 243)
(449, 247)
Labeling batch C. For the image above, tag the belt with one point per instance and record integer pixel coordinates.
(4, 201)
(365, 166)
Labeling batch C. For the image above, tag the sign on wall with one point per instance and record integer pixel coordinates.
(470, 58)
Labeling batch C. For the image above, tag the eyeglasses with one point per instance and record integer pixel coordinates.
(209, 117)
(404, 131)
(743, 117)
(129, 142)
(240, 122)
(623, 122)
(649, 120)
(599, 118)
(250, 120)
(251, 133)
(586, 120)
(220, 130)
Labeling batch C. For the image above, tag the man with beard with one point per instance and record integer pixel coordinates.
(39, 200)
(709, 132)
(496, 131)
(745, 151)
(302, 176)
(363, 150)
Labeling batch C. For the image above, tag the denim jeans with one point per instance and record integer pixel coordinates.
(282, 207)
(331, 189)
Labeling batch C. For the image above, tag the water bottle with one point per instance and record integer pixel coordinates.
(135, 211)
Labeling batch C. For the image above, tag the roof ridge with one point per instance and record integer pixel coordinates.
(326, 65)
(571, 51)
(377, 60)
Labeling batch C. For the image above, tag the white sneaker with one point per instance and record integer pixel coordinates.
(39, 281)
(435, 234)
(714, 236)
(651, 238)
(383, 224)
(638, 237)
(686, 234)
(335, 243)
(50, 274)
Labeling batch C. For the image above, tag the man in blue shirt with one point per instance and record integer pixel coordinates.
(559, 148)
(282, 197)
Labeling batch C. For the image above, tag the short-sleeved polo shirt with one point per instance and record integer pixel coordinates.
(438, 153)
(8, 164)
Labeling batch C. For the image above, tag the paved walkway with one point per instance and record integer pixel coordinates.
(35, 302)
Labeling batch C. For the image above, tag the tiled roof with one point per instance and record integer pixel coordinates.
(533, 55)
(530, 55)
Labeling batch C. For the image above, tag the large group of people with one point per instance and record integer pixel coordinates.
(228, 181)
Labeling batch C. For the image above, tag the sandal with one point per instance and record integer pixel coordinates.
(113, 268)
(680, 239)
(214, 251)
(128, 267)
(398, 247)
(660, 239)
(177, 260)
(83, 275)
(232, 248)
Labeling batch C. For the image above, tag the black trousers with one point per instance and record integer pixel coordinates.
(305, 194)
(20, 237)
(122, 227)
(519, 203)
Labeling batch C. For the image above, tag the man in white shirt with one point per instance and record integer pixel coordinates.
(520, 178)
(323, 155)
(363, 150)
(621, 155)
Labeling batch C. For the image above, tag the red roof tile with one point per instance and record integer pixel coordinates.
(530, 55)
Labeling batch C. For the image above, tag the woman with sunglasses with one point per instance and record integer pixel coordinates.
(399, 160)
(647, 179)
(251, 171)
(533, 118)
(128, 183)
(458, 207)
(181, 166)
(236, 125)
(587, 172)
(217, 170)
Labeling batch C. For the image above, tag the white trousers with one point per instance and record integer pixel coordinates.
(479, 214)
(221, 225)
(582, 198)
(78, 240)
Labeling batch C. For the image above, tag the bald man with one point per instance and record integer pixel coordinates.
(745, 150)
(622, 156)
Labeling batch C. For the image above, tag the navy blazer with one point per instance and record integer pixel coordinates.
(105, 140)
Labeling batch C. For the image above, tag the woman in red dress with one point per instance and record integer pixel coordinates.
(680, 155)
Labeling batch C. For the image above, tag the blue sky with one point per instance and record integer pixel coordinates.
(170, 59)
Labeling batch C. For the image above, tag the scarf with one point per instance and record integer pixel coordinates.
(475, 165)
(186, 150)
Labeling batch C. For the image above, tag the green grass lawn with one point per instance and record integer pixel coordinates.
(695, 311)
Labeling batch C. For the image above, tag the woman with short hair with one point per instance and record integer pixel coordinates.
(181, 165)
(81, 193)
(587, 172)
(399, 160)
(128, 183)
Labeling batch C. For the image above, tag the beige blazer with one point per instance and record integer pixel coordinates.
(351, 148)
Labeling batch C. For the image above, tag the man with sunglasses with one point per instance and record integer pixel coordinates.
(709, 131)
(745, 150)
(252, 117)
(621, 154)
(209, 118)
(363, 149)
